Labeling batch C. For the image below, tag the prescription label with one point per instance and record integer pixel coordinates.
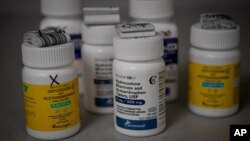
(51, 107)
(214, 86)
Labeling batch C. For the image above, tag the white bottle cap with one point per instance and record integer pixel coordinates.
(61, 7)
(47, 57)
(138, 49)
(98, 34)
(151, 9)
(214, 38)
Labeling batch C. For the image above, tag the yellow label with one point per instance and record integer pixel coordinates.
(51, 107)
(214, 86)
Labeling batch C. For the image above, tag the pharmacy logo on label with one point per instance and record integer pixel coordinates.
(136, 124)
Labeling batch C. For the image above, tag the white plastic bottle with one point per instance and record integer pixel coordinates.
(50, 87)
(66, 14)
(139, 86)
(159, 13)
(214, 71)
(98, 55)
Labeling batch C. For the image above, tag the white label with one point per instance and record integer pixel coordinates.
(140, 100)
(103, 83)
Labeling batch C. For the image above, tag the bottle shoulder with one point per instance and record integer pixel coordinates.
(36, 75)
(138, 67)
(164, 25)
(97, 49)
(36, 71)
(93, 46)
(152, 63)
(215, 56)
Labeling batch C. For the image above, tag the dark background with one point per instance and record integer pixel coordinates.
(19, 16)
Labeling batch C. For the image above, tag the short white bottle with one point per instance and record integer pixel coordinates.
(139, 86)
(50, 87)
(66, 14)
(160, 13)
(98, 55)
(214, 71)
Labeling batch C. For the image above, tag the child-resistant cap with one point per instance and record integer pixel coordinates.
(47, 57)
(138, 49)
(61, 7)
(214, 38)
(98, 34)
(151, 9)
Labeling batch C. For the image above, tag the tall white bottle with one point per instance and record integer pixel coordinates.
(97, 73)
(160, 13)
(68, 15)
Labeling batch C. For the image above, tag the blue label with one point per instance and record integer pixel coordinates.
(104, 102)
(136, 124)
(101, 82)
(212, 85)
(77, 40)
(170, 51)
(129, 101)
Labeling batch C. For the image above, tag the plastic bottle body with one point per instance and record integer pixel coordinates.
(139, 97)
(214, 77)
(72, 25)
(98, 91)
(170, 31)
(41, 107)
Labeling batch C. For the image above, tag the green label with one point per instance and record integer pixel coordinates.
(62, 104)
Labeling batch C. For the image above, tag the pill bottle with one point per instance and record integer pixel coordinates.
(160, 13)
(139, 77)
(66, 14)
(98, 54)
(50, 87)
(214, 71)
